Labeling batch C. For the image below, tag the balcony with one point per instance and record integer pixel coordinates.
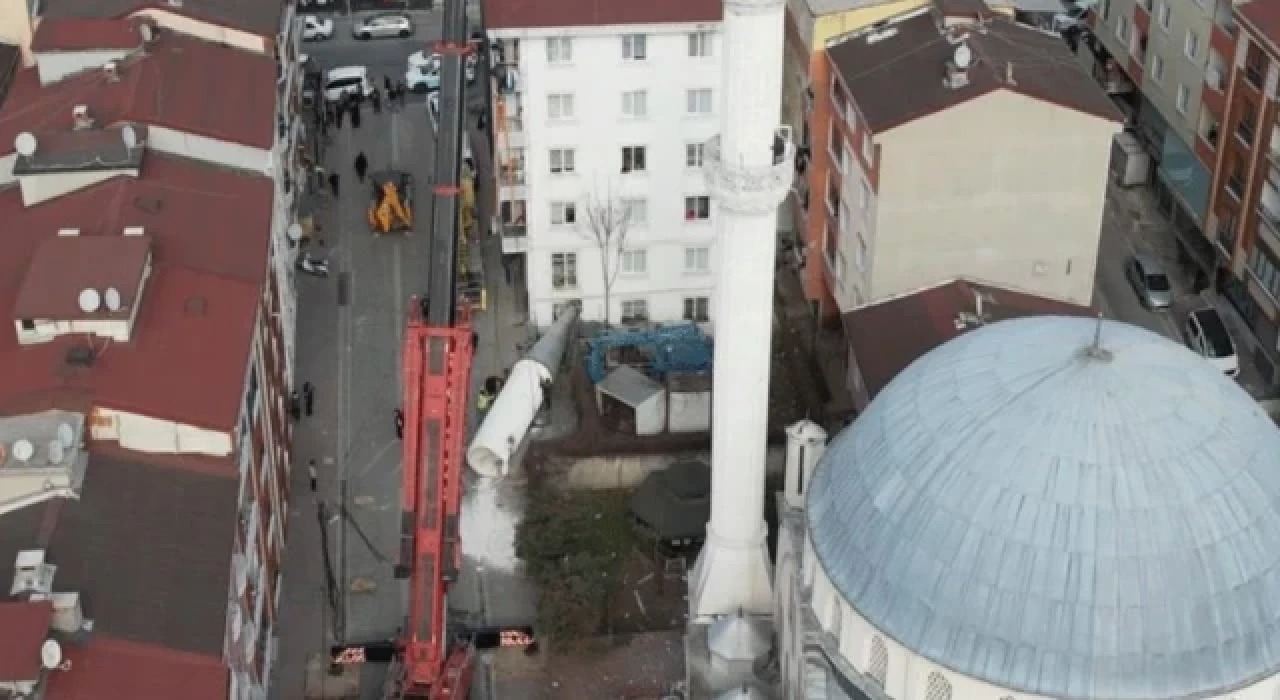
(515, 239)
(1273, 153)
(1215, 73)
(510, 176)
(1269, 222)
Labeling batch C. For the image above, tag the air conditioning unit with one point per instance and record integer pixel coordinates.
(31, 574)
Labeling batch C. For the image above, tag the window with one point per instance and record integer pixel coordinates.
(1235, 174)
(636, 211)
(559, 50)
(560, 106)
(251, 394)
(564, 270)
(1184, 99)
(1122, 29)
(868, 148)
(864, 196)
(1192, 45)
(564, 213)
(635, 310)
(939, 687)
(835, 146)
(1104, 9)
(833, 198)
(878, 664)
(1255, 65)
(1248, 125)
(28, 324)
(860, 253)
(831, 246)
(838, 104)
(693, 155)
(562, 161)
(700, 44)
(1265, 269)
(634, 262)
(1157, 67)
(633, 47)
(633, 159)
(697, 309)
(698, 101)
(697, 260)
(697, 208)
(635, 103)
(1165, 15)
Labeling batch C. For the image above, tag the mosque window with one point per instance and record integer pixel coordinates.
(939, 687)
(878, 663)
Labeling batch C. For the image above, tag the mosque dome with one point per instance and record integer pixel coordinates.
(1064, 507)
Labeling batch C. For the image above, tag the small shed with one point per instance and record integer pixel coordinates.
(674, 504)
(689, 402)
(631, 402)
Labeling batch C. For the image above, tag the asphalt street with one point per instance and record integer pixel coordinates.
(1125, 234)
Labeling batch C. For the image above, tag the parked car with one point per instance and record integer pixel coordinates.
(423, 74)
(315, 29)
(383, 26)
(1207, 334)
(1149, 281)
(1075, 15)
(347, 80)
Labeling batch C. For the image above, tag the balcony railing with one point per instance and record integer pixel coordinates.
(1255, 75)
(511, 177)
(1269, 228)
(510, 230)
(513, 125)
(1235, 185)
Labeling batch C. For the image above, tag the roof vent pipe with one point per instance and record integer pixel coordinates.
(82, 118)
(111, 69)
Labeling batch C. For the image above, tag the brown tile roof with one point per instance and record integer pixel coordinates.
(898, 78)
(147, 546)
(26, 626)
(888, 336)
(172, 85)
(209, 229)
(1263, 16)
(261, 17)
(64, 266)
(113, 669)
(542, 14)
(81, 34)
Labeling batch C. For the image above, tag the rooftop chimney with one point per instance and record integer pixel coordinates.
(112, 70)
(958, 67)
(82, 118)
(31, 574)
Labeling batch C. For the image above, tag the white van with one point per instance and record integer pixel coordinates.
(348, 80)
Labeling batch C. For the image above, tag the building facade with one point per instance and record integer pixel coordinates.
(1011, 140)
(599, 132)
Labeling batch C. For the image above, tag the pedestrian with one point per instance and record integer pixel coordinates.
(315, 478)
(362, 166)
(506, 270)
(399, 418)
(475, 341)
(295, 406)
(355, 115)
(308, 398)
(401, 92)
(386, 83)
(333, 184)
(375, 100)
(339, 111)
(481, 121)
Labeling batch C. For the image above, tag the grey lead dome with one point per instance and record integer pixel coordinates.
(1060, 522)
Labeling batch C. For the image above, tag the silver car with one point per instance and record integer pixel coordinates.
(383, 26)
(1149, 281)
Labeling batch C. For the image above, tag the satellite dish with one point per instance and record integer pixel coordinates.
(66, 435)
(56, 452)
(23, 450)
(111, 297)
(963, 56)
(129, 134)
(90, 300)
(25, 143)
(50, 654)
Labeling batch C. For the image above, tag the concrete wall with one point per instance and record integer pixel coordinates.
(56, 65)
(627, 471)
(42, 188)
(155, 435)
(17, 27)
(597, 76)
(207, 31)
(1005, 189)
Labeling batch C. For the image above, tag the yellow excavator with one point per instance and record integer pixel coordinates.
(391, 206)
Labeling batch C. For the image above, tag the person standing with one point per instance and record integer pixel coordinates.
(386, 83)
(333, 184)
(313, 475)
(355, 114)
(295, 406)
(375, 100)
(402, 92)
(399, 418)
(339, 111)
(308, 398)
(362, 166)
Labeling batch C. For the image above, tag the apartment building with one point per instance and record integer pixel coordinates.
(995, 172)
(136, 71)
(1245, 201)
(145, 439)
(1166, 62)
(600, 116)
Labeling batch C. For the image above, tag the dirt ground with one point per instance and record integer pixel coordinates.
(636, 667)
(646, 599)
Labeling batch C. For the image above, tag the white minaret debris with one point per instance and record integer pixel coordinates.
(749, 171)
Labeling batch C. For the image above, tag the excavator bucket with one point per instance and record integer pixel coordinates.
(391, 205)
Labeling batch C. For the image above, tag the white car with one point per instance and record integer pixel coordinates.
(315, 29)
(383, 26)
(423, 74)
(1074, 16)
(348, 80)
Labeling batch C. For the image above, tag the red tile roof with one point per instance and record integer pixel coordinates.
(1263, 17)
(186, 361)
(260, 17)
(64, 266)
(888, 336)
(107, 668)
(540, 14)
(180, 83)
(79, 34)
(26, 626)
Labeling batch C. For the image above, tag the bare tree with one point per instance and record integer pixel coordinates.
(606, 223)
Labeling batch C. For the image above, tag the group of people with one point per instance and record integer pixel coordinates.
(351, 103)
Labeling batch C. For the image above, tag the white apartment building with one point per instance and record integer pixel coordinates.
(599, 127)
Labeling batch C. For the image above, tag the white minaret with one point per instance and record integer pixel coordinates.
(749, 170)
